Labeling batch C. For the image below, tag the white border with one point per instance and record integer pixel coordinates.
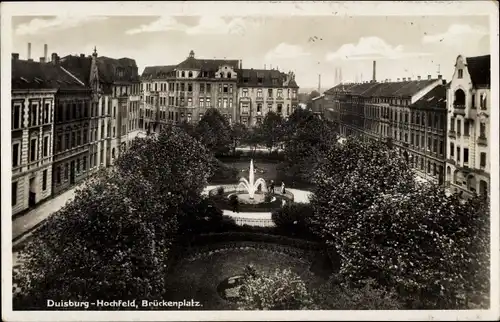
(407, 8)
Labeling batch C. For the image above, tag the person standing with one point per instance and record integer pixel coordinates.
(282, 188)
(272, 187)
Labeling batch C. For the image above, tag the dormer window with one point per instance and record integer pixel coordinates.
(221, 75)
(190, 74)
(183, 74)
(228, 75)
(245, 80)
(260, 80)
(460, 73)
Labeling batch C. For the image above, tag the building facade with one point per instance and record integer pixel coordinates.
(184, 92)
(469, 104)
(261, 91)
(410, 114)
(37, 87)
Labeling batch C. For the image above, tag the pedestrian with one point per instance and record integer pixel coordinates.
(282, 188)
(272, 186)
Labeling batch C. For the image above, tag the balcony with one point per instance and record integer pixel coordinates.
(452, 134)
(459, 112)
(481, 140)
(270, 99)
(244, 112)
(260, 99)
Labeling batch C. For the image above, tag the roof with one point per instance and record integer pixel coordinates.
(157, 71)
(318, 97)
(108, 69)
(209, 65)
(339, 88)
(480, 70)
(383, 89)
(78, 66)
(35, 75)
(264, 78)
(436, 98)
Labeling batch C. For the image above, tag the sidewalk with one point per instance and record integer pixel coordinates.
(26, 222)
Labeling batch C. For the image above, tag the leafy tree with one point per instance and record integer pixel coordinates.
(111, 242)
(214, 132)
(188, 127)
(280, 290)
(292, 218)
(272, 130)
(239, 132)
(308, 139)
(254, 138)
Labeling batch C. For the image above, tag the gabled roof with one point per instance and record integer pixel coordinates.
(157, 71)
(209, 65)
(108, 69)
(436, 98)
(262, 78)
(480, 70)
(36, 75)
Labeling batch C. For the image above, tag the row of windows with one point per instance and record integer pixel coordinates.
(460, 98)
(33, 151)
(456, 124)
(465, 155)
(36, 115)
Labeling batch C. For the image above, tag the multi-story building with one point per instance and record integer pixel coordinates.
(469, 103)
(185, 91)
(261, 91)
(37, 89)
(114, 107)
(408, 113)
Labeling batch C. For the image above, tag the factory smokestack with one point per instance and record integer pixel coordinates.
(29, 51)
(374, 78)
(319, 83)
(45, 52)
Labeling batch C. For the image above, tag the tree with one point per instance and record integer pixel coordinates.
(238, 134)
(272, 130)
(111, 242)
(308, 139)
(214, 132)
(254, 138)
(280, 290)
(188, 127)
(292, 218)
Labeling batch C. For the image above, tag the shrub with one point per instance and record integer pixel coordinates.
(294, 219)
(268, 197)
(220, 191)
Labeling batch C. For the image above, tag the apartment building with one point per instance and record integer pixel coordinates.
(184, 92)
(38, 88)
(469, 105)
(114, 106)
(261, 91)
(410, 114)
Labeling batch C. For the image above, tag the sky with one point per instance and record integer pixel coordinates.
(403, 46)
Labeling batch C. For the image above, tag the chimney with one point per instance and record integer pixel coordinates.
(440, 76)
(418, 77)
(55, 59)
(82, 55)
(409, 78)
(15, 56)
(429, 77)
(398, 80)
(374, 78)
(319, 83)
(264, 66)
(241, 64)
(45, 52)
(29, 51)
(42, 59)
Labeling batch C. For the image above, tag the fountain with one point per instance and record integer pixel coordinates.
(250, 185)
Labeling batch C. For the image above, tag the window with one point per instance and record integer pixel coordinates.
(190, 87)
(45, 146)
(78, 137)
(294, 94)
(230, 103)
(259, 92)
(482, 161)
(412, 139)
(182, 87)
(33, 114)
(458, 153)
(44, 180)
(220, 88)
(84, 164)
(435, 146)
(16, 116)
(190, 101)
(270, 92)
(459, 127)
(46, 113)
(460, 73)
(202, 88)
(207, 102)
(14, 193)
(183, 74)
(259, 107)
(15, 155)
(452, 124)
(189, 117)
(85, 135)
(230, 86)
(228, 75)
(245, 92)
(466, 155)
(202, 102)
(473, 101)
(33, 150)
(190, 74)
(77, 165)
(441, 147)
(466, 128)
(225, 103)
(270, 107)
(245, 108)
(219, 104)
(226, 88)
(209, 88)
(482, 130)
(73, 139)
(66, 141)
(280, 107)
(280, 93)
(482, 101)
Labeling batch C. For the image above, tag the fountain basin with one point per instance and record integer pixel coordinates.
(245, 198)
(258, 204)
